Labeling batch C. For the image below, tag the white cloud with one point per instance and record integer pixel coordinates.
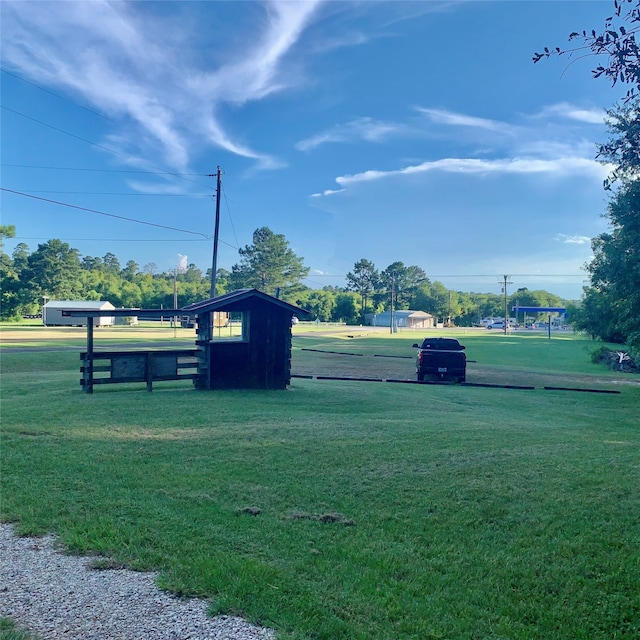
(572, 112)
(440, 116)
(359, 129)
(327, 192)
(565, 239)
(565, 166)
(129, 62)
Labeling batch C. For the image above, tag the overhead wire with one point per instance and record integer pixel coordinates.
(226, 201)
(160, 172)
(153, 173)
(484, 275)
(57, 95)
(95, 144)
(116, 239)
(104, 213)
(109, 150)
(76, 103)
(119, 217)
(120, 193)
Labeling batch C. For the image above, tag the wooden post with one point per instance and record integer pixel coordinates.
(204, 334)
(149, 371)
(88, 387)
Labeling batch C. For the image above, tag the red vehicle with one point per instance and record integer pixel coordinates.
(442, 359)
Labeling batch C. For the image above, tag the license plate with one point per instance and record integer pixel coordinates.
(442, 369)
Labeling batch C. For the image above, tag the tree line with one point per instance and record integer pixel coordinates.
(610, 307)
(57, 271)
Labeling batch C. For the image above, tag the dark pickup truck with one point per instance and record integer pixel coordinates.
(441, 358)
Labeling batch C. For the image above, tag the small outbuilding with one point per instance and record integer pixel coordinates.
(405, 318)
(258, 356)
(253, 351)
(52, 315)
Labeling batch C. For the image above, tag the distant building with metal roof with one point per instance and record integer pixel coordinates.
(52, 315)
(405, 318)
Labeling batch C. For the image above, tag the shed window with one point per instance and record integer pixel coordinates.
(232, 326)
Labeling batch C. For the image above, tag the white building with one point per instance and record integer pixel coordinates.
(403, 318)
(53, 313)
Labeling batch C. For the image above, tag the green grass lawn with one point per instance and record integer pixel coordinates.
(344, 509)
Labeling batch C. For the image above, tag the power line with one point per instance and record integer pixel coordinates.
(153, 173)
(74, 102)
(95, 144)
(118, 239)
(120, 193)
(103, 213)
(229, 213)
(57, 95)
(479, 275)
(67, 133)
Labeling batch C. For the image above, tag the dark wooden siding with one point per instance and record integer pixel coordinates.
(261, 362)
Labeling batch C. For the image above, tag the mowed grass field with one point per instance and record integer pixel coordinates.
(349, 509)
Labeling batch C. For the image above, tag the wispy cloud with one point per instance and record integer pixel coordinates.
(327, 192)
(572, 112)
(523, 148)
(565, 239)
(452, 118)
(132, 63)
(360, 129)
(478, 166)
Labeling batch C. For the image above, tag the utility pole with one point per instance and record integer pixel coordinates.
(393, 294)
(506, 309)
(214, 262)
(175, 299)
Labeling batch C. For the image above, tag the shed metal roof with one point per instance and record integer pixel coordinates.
(82, 305)
(219, 303)
(402, 313)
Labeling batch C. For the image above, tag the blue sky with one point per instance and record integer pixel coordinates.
(411, 131)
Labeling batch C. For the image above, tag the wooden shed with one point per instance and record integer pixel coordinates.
(258, 356)
(254, 351)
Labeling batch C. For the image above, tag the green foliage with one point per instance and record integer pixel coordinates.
(615, 43)
(54, 270)
(9, 288)
(611, 308)
(268, 264)
(616, 360)
(346, 308)
(402, 282)
(537, 298)
(321, 304)
(364, 280)
(622, 150)
(6, 231)
(432, 297)
(611, 305)
(9, 631)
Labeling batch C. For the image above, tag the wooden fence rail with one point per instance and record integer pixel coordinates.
(113, 367)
